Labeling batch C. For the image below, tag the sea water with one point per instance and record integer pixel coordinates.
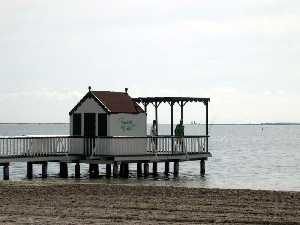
(244, 157)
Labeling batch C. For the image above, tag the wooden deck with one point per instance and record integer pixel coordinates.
(101, 150)
(71, 148)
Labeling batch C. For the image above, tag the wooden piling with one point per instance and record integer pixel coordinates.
(126, 170)
(44, 170)
(154, 168)
(167, 168)
(108, 171)
(115, 170)
(146, 169)
(176, 168)
(29, 174)
(6, 171)
(202, 167)
(121, 169)
(139, 169)
(94, 170)
(77, 170)
(63, 170)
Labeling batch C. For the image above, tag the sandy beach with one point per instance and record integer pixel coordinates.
(85, 203)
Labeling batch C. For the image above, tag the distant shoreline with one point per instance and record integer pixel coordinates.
(211, 124)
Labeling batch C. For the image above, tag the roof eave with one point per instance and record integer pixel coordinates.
(89, 95)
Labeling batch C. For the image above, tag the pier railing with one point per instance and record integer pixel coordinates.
(99, 146)
(174, 145)
(37, 146)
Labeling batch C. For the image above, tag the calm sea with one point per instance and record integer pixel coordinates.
(244, 156)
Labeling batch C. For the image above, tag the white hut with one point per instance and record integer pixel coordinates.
(106, 113)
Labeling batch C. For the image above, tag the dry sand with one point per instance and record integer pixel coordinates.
(53, 203)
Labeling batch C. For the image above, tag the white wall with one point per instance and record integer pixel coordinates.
(124, 124)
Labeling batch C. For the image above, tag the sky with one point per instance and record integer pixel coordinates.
(243, 54)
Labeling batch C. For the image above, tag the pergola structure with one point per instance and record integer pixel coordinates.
(181, 101)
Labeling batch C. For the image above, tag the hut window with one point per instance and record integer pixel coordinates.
(77, 124)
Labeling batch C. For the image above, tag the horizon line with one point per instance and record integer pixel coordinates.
(264, 123)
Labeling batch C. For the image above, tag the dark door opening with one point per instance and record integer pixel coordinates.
(90, 124)
(76, 124)
(102, 125)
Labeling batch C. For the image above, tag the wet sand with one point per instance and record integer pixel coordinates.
(54, 203)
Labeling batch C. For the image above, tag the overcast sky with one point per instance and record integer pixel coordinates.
(243, 54)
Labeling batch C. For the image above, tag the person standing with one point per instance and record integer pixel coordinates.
(179, 134)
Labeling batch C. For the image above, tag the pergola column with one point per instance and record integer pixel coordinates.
(172, 124)
(145, 106)
(172, 118)
(181, 110)
(206, 124)
(156, 115)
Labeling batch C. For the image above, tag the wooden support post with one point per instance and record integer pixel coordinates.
(115, 169)
(202, 167)
(154, 168)
(29, 174)
(172, 125)
(176, 168)
(44, 170)
(94, 170)
(77, 170)
(206, 127)
(181, 110)
(63, 170)
(146, 169)
(139, 169)
(145, 107)
(6, 171)
(172, 118)
(126, 170)
(122, 169)
(167, 168)
(108, 171)
(156, 116)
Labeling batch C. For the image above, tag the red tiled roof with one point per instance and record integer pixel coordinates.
(118, 102)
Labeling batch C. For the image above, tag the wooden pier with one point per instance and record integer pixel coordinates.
(104, 126)
(115, 152)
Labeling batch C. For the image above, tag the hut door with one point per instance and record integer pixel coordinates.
(90, 124)
(102, 125)
(89, 132)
